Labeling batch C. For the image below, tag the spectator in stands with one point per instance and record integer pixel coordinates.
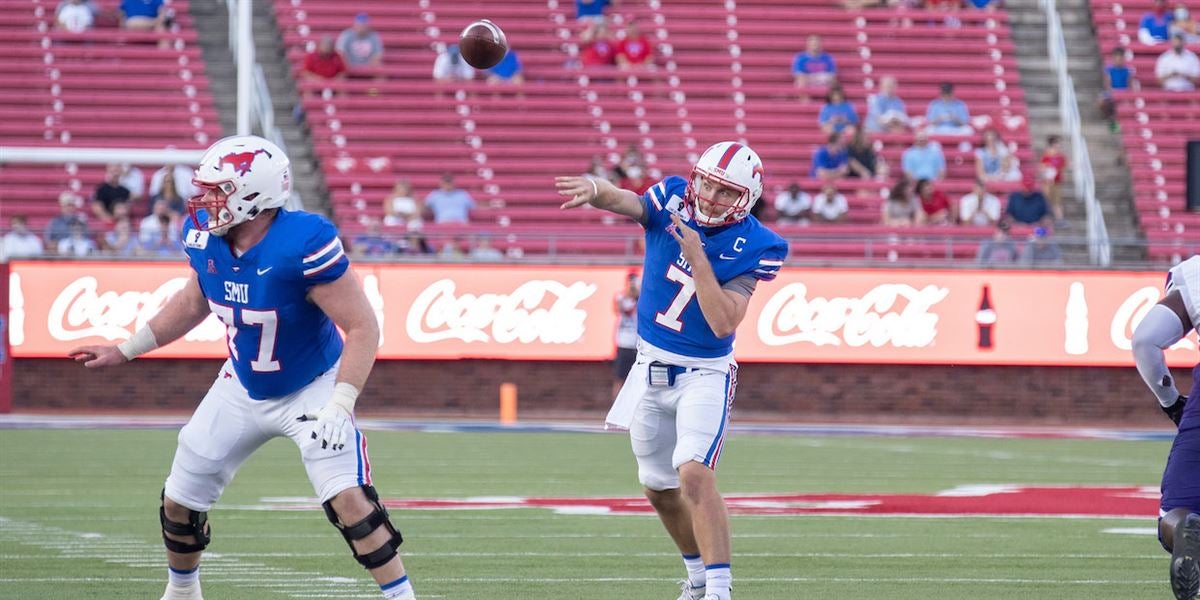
(902, 208)
(169, 192)
(837, 114)
(636, 50)
(324, 62)
(630, 159)
(1117, 76)
(934, 203)
(993, 161)
(180, 176)
(60, 226)
(508, 70)
(1183, 24)
(121, 241)
(414, 242)
(160, 219)
(635, 180)
(863, 161)
(813, 68)
(133, 180)
(448, 203)
(1053, 164)
(979, 207)
(1028, 205)
(145, 15)
(592, 10)
(78, 243)
(165, 243)
(74, 16)
(597, 169)
(450, 66)
(360, 46)
(484, 250)
(924, 159)
(597, 48)
(452, 249)
(988, 5)
(400, 208)
(885, 110)
(948, 115)
(371, 242)
(794, 206)
(831, 162)
(1178, 69)
(949, 10)
(830, 206)
(1041, 249)
(109, 193)
(1155, 27)
(1000, 250)
(20, 242)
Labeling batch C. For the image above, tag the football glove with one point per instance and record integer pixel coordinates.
(335, 420)
(1175, 411)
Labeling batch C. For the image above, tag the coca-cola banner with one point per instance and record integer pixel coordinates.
(566, 313)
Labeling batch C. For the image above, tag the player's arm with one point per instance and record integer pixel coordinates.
(724, 309)
(182, 313)
(1165, 324)
(601, 194)
(344, 301)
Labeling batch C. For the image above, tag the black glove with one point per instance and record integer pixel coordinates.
(1175, 411)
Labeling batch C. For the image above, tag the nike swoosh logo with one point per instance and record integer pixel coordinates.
(263, 271)
(723, 257)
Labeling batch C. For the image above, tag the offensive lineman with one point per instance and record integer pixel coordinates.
(704, 256)
(280, 282)
(1167, 322)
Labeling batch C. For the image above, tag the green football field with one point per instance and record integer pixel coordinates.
(78, 519)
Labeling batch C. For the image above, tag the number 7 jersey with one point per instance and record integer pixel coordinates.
(669, 315)
(279, 341)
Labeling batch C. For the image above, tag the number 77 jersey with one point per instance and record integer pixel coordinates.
(669, 315)
(279, 341)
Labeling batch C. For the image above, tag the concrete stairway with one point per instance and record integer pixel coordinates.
(212, 21)
(1113, 184)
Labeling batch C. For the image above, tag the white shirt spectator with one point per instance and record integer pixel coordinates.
(74, 16)
(973, 210)
(451, 66)
(21, 244)
(1178, 70)
(830, 208)
(404, 209)
(792, 207)
(76, 246)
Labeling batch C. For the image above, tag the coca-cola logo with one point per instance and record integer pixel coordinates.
(544, 311)
(889, 314)
(1131, 312)
(81, 311)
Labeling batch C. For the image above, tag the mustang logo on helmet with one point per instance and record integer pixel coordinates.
(242, 161)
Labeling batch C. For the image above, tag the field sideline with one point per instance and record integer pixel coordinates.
(926, 513)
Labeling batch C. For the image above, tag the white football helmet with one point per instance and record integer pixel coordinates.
(733, 165)
(238, 178)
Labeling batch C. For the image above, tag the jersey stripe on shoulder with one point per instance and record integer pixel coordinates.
(336, 243)
(329, 262)
(658, 194)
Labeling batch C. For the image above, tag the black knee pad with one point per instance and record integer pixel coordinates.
(378, 518)
(197, 526)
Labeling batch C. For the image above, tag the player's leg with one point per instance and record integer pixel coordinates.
(342, 480)
(702, 417)
(212, 446)
(1179, 527)
(652, 435)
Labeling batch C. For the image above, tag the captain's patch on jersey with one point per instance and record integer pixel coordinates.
(196, 239)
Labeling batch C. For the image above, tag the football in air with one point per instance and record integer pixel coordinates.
(482, 44)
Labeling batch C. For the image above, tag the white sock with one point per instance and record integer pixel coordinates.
(396, 589)
(695, 569)
(183, 578)
(719, 580)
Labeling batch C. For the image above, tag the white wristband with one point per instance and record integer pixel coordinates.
(595, 190)
(344, 395)
(143, 341)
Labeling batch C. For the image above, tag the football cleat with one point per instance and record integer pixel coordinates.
(175, 592)
(687, 592)
(1185, 559)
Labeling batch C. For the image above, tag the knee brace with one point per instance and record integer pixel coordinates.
(197, 526)
(378, 518)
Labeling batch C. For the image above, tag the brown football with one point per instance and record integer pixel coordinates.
(482, 44)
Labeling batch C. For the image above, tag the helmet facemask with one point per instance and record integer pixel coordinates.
(729, 209)
(214, 209)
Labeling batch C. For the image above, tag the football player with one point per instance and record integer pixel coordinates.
(705, 254)
(281, 284)
(1167, 322)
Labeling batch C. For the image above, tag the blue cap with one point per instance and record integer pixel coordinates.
(1040, 232)
(362, 17)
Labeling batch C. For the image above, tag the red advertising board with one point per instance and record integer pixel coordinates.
(565, 313)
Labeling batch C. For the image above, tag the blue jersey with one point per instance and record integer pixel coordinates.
(279, 341)
(669, 316)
